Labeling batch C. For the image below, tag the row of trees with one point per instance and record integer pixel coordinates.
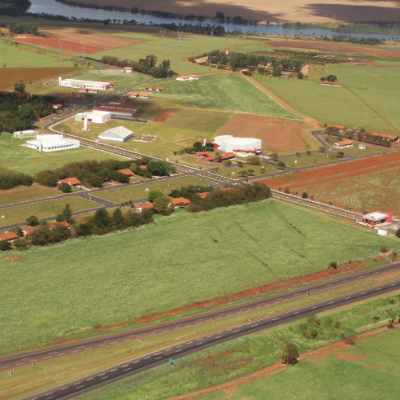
(349, 39)
(197, 146)
(18, 28)
(10, 180)
(359, 134)
(14, 8)
(146, 65)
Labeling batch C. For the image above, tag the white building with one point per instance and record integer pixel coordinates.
(118, 134)
(243, 147)
(187, 78)
(48, 143)
(82, 85)
(98, 117)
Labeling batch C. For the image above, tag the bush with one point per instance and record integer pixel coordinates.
(46, 178)
(384, 249)
(47, 234)
(21, 244)
(154, 194)
(65, 188)
(4, 245)
(304, 195)
(9, 180)
(32, 220)
(333, 265)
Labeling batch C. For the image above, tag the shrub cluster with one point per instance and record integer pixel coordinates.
(9, 180)
(49, 234)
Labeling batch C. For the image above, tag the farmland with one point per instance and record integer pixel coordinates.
(255, 242)
(21, 159)
(278, 135)
(370, 98)
(227, 92)
(363, 185)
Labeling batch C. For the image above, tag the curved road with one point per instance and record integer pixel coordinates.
(138, 365)
(82, 346)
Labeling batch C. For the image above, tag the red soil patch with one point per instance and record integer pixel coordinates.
(337, 48)
(350, 357)
(275, 134)
(165, 116)
(11, 258)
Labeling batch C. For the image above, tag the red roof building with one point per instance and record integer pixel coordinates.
(8, 237)
(29, 230)
(203, 195)
(143, 167)
(70, 181)
(126, 171)
(179, 201)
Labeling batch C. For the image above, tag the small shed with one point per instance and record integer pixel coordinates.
(117, 134)
(343, 144)
(25, 134)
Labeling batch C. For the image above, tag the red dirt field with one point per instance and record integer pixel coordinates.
(275, 134)
(336, 48)
(165, 116)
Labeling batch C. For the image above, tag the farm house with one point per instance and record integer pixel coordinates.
(187, 78)
(8, 236)
(243, 147)
(118, 134)
(25, 134)
(343, 144)
(70, 181)
(82, 85)
(49, 143)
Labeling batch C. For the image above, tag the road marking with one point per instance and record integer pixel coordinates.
(124, 366)
(347, 298)
(147, 357)
(27, 358)
(89, 379)
(102, 374)
(273, 319)
(176, 351)
(254, 325)
(80, 386)
(127, 369)
(217, 337)
(314, 308)
(236, 331)
(78, 383)
(104, 378)
(297, 312)
(80, 346)
(331, 302)
(134, 362)
(158, 358)
(113, 369)
(394, 284)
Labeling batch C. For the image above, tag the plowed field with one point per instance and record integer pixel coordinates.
(337, 48)
(364, 185)
(276, 135)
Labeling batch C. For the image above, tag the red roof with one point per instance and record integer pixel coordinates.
(70, 181)
(28, 231)
(57, 105)
(62, 223)
(159, 87)
(8, 236)
(146, 206)
(149, 87)
(126, 171)
(143, 167)
(203, 195)
(180, 200)
(228, 188)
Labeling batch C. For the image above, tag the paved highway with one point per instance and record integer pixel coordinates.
(109, 340)
(138, 365)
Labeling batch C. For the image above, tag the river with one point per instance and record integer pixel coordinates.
(53, 7)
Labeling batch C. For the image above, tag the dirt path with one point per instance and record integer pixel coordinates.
(273, 369)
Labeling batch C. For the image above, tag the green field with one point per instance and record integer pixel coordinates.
(124, 194)
(29, 161)
(233, 172)
(171, 49)
(226, 92)
(124, 275)
(365, 371)
(371, 95)
(26, 193)
(49, 208)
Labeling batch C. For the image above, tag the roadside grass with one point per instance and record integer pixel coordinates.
(181, 130)
(26, 193)
(16, 158)
(243, 356)
(370, 96)
(307, 160)
(49, 374)
(49, 208)
(124, 194)
(170, 48)
(365, 371)
(233, 172)
(122, 276)
(226, 92)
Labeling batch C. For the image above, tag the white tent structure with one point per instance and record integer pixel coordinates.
(243, 147)
(118, 134)
(49, 143)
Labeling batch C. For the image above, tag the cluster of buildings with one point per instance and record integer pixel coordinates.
(86, 86)
(155, 88)
(344, 131)
(187, 78)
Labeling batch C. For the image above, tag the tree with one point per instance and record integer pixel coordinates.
(322, 149)
(323, 79)
(290, 354)
(21, 244)
(84, 229)
(339, 154)
(67, 214)
(118, 218)
(19, 87)
(159, 168)
(220, 16)
(304, 195)
(276, 71)
(333, 265)
(65, 188)
(163, 205)
(281, 164)
(300, 75)
(4, 245)
(398, 233)
(254, 160)
(154, 194)
(18, 231)
(101, 218)
(32, 220)
(243, 173)
(331, 78)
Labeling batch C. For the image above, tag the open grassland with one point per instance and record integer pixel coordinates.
(29, 161)
(121, 276)
(337, 374)
(124, 194)
(363, 185)
(233, 172)
(49, 208)
(226, 92)
(23, 57)
(370, 98)
(175, 128)
(170, 48)
(26, 193)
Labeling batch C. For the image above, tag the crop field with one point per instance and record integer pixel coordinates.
(363, 185)
(29, 161)
(26, 193)
(170, 48)
(128, 274)
(227, 92)
(124, 194)
(370, 98)
(277, 135)
(22, 57)
(49, 208)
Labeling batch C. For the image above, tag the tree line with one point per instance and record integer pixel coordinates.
(363, 41)
(14, 8)
(30, 28)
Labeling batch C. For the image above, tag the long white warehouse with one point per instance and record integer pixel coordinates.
(243, 147)
(80, 84)
(48, 143)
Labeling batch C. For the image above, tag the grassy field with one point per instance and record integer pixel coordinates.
(141, 191)
(44, 209)
(21, 159)
(125, 275)
(171, 49)
(361, 372)
(26, 193)
(369, 99)
(233, 172)
(226, 92)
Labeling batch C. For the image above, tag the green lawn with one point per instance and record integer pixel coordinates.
(233, 172)
(122, 276)
(49, 208)
(171, 49)
(371, 95)
(26, 193)
(124, 194)
(227, 92)
(305, 160)
(29, 161)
